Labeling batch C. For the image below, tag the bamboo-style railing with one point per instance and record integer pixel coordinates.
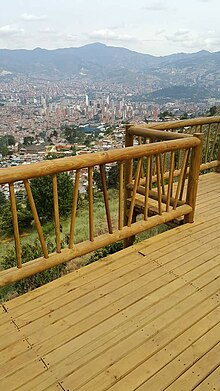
(135, 164)
(209, 126)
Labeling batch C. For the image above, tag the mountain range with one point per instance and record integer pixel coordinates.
(99, 62)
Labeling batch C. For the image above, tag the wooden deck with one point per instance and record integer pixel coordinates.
(146, 318)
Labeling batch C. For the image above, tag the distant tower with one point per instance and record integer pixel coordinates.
(87, 100)
(155, 114)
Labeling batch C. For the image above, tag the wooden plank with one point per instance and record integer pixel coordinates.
(212, 382)
(134, 265)
(92, 295)
(200, 370)
(187, 361)
(154, 290)
(98, 310)
(87, 346)
(15, 349)
(95, 270)
(150, 249)
(26, 308)
(23, 375)
(41, 289)
(16, 363)
(107, 306)
(106, 289)
(45, 382)
(185, 242)
(12, 338)
(108, 368)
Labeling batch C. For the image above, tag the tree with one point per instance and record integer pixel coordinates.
(24, 219)
(73, 149)
(7, 140)
(10, 140)
(43, 195)
(3, 200)
(184, 116)
(87, 142)
(165, 114)
(28, 140)
(4, 150)
(113, 177)
(74, 134)
(97, 179)
(212, 110)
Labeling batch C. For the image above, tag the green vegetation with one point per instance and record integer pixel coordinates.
(5, 142)
(31, 248)
(24, 219)
(28, 140)
(212, 111)
(112, 178)
(165, 114)
(43, 195)
(29, 251)
(74, 134)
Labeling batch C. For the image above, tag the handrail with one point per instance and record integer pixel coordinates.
(156, 134)
(167, 206)
(51, 167)
(183, 123)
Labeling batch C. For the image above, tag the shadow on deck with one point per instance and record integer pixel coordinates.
(146, 318)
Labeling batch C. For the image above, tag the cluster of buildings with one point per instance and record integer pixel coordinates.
(35, 112)
(40, 108)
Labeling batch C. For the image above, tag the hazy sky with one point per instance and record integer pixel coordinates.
(150, 26)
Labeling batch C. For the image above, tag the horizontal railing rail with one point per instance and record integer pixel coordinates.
(171, 201)
(177, 124)
(51, 167)
(209, 126)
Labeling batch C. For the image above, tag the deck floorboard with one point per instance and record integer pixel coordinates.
(146, 318)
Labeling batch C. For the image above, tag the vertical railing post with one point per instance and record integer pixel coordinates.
(193, 179)
(127, 179)
(218, 158)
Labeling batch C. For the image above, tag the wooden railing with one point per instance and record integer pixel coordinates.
(136, 162)
(209, 126)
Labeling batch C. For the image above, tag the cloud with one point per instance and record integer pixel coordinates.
(156, 6)
(109, 35)
(193, 40)
(59, 37)
(178, 36)
(32, 18)
(65, 37)
(10, 30)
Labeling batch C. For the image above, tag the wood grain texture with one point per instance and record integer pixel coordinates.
(145, 318)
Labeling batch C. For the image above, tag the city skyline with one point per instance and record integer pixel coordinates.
(154, 27)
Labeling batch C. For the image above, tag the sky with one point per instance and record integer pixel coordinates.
(157, 27)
